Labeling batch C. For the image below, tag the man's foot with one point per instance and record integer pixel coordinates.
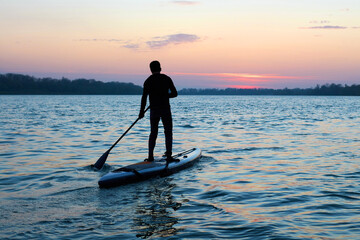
(150, 159)
(170, 159)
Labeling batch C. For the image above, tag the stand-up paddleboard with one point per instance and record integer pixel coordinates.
(144, 170)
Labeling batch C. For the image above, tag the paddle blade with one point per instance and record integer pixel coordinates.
(101, 161)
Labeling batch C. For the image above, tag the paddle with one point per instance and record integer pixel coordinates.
(101, 161)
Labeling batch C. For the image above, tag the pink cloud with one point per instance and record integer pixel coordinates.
(325, 27)
(241, 77)
(237, 80)
(180, 38)
(240, 86)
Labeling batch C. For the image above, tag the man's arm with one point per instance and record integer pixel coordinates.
(143, 102)
(173, 92)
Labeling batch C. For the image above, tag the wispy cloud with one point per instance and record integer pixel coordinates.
(131, 46)
(320, 22)
(325, 27)
(100, 40)
(185, 3)
(121, 42)
(156, 42)
(180, 38)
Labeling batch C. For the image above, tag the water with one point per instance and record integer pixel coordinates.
(274, 167)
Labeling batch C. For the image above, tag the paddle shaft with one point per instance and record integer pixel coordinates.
(101, 161)
(126, 131)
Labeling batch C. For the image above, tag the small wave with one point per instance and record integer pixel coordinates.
(45, 185)
(234, 150)
(346, 175)
(70, 191)
(344, 195)
(352, 175)
(18, 179)
(58, 178)
(332, 175)
(207, 159)
(329, 209)
(187, 126)
(228, 135)
(8, 154)
(230, 150)
(213, 194)
(4, 142)
(287, 201)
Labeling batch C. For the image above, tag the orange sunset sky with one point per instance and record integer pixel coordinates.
(201, 44)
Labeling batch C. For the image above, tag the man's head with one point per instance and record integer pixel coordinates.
(155, 66)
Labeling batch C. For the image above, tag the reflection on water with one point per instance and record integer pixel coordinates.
(154, 212)
(275, 167)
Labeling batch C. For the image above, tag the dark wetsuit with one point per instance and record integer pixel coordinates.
(160, 88)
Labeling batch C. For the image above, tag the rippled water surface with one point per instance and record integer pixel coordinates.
(273, 167)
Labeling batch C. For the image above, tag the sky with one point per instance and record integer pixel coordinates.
(200, 44)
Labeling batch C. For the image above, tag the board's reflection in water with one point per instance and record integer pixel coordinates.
(154, 211)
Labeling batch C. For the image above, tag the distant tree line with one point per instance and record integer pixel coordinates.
(324, 90)
(22, 84)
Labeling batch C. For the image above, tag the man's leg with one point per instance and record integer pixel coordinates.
(166, 119)
(154, 124)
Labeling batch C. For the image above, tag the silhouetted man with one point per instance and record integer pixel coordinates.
(160, 89)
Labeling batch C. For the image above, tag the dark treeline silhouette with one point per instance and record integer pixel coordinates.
(324, 90)
(22, 84)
